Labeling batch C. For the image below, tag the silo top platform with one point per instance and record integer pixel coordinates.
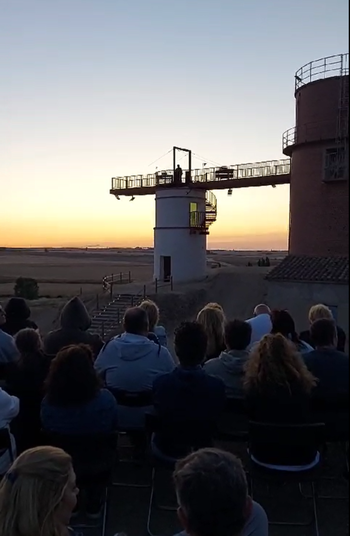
(268, 173)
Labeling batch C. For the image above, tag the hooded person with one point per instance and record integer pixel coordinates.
(230, 365)
(131, 362)
(17, 316)
(75, 322)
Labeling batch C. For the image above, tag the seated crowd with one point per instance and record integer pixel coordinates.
(73, 384)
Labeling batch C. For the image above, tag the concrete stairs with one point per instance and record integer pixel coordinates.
(107, 320)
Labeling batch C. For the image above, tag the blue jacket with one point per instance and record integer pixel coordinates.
(162, 336)
(189, 403)
(8, 350)
(98, 416)
(131, 363)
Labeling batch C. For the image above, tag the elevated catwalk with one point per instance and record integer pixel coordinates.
(268, 173)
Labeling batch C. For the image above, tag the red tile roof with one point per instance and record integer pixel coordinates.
(312, 270)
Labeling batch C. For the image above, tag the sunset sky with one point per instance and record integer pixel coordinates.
(91, 89)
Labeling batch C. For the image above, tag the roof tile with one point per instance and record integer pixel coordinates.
(312, 269)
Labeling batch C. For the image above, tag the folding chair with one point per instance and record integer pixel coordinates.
(234, 423)
(93, 458)
(303, 438)
(133, 400)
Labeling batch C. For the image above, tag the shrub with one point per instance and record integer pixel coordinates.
(27, 288)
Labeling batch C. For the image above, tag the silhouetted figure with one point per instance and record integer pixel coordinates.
(178, 175)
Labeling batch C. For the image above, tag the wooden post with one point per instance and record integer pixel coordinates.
(132, 301)
(111, 290)
(103, 330)
(156, 285)
(121, 277)
(97, 302)
(81, 291)
(144, 291)
(171, 283)
(129, 277)
(118, 316)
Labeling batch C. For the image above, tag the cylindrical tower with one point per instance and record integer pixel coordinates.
(318, 146)
(180, 234)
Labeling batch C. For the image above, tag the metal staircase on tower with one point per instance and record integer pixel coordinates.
(200, 221)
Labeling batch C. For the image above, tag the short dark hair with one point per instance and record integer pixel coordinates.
(190, 343)
(283, 323)
(136, 321)
(323, 332)
(212, 491)
(72, 378)
(238, 334)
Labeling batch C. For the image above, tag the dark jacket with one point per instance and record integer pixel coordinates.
(97, 416)
(17, 317)
(229, 367)
(25, 379)
(280, 405)
(189, 404)
(331, 368)
(75, 322)
(306, 336)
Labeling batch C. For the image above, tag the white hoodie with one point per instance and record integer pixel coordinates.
(261, 326)
(9, 409)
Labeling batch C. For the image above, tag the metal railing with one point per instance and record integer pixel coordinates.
(211, 200)
(309, 132)
(337, 65)
(205, 175)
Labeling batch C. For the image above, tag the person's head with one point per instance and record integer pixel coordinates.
(275, 361)
(2, 316)
(136, 321)
(152, 311)
(318, 312)
(213, 320)
(28, 341)
(323, 333)
(178, 166)
(190, 341)
(238, 335)
(212, 494)
(214, 305)
(38, 494)
(17, 309)
(262, 309)
(72, 379)
(283, 323)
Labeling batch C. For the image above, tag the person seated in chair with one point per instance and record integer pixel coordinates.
(212, 493)
(131, 362)
(38, 494)
(25, 379)
(75, 322)
(229, 366)
(188, 401)
(283, 323)
(8, 350)
(17, 316)
(76, 405)
(278, 389)
(319, 312)
(327, 364)
(156, 333)
(260, 322)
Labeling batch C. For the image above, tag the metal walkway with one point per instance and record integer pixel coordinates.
(268, 173)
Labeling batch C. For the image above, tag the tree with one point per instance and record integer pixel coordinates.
(27, 288)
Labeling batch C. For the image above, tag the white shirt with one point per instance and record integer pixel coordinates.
(261, 326)
(9, 409)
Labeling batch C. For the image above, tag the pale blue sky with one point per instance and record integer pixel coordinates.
(95, 88)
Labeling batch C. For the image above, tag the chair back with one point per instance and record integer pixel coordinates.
(234, 422)
(92, 454)
(292, 435)
(140, 399)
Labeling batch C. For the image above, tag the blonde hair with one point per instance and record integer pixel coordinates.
(31, 492)
(213, 320)
(319, 312)
(276, 362)
(214, 305)
(152, 311)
